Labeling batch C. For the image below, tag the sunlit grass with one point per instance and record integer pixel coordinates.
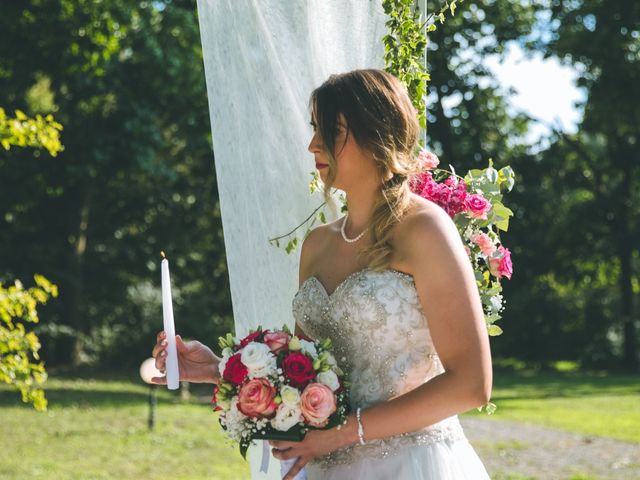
(98, 430)
(600, 405)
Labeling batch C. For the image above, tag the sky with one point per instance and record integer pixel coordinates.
(546, 90)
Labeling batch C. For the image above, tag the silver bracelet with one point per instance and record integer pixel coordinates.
(360, 429)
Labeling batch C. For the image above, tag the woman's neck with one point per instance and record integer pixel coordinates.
(360, 203)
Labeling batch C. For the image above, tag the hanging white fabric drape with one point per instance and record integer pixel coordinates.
(262, 60)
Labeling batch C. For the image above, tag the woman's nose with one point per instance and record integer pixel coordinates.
(314, 144)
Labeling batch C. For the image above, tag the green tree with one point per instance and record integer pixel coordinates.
(136, 177)
(591, 181)
(19, 348)
(18, 307)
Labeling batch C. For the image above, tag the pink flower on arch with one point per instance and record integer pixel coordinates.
(500, 263)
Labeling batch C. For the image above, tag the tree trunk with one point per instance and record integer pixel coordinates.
(625, 255)
(76, 294)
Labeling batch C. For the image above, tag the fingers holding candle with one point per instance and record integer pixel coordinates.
(159, 352)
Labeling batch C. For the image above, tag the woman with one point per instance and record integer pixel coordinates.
(391, 284)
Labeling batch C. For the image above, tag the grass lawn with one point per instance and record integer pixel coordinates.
(601, 405)
(96, 428)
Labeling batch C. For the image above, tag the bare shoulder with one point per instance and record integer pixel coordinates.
(312, 246)
(426, 231)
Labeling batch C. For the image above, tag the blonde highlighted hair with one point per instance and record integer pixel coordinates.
(384, 122)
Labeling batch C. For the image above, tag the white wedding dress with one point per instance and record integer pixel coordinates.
(380, 335)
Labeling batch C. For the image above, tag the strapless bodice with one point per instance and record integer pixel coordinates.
(381, 338)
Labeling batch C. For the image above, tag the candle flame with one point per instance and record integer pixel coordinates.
(162, 254)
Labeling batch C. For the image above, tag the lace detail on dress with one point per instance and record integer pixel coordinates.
(381, 337)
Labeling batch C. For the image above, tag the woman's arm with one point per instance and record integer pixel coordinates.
(446, 285)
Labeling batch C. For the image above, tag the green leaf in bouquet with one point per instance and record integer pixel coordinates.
(494, 330)
(244, 446)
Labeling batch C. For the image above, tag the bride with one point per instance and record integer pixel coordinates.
(391, 284)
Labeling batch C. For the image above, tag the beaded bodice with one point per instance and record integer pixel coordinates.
(381, 338)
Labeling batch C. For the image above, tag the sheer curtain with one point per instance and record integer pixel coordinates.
(262, 60)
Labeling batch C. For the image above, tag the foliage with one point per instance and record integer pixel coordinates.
(136, 176)
(580, 202)
(405, 45)
(19, 348)
(23, 131)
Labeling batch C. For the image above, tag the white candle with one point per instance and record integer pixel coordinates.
(173, 375)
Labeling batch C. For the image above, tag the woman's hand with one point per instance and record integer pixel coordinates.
(315, 444)
(196, 362)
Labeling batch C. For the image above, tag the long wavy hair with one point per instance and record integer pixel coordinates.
(383, 122)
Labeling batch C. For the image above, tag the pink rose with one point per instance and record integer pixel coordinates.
(277, 341)
(317, 403)
(256, 398)
(484, 242)
(500, 263)
(477, 206)
(429, 160)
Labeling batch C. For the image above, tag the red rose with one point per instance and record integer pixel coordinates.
(250, 338)
(235, 371)
(298, 368)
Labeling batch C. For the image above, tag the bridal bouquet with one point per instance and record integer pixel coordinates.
(277, 386)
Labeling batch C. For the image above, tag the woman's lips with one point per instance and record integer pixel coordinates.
(321, 165)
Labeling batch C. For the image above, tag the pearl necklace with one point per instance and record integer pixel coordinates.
(344, 235)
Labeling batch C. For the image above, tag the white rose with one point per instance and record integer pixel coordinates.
(290, 395)
(256, 356)
(308, 348)
(286, 417)
(269, 369)
(328, 378)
